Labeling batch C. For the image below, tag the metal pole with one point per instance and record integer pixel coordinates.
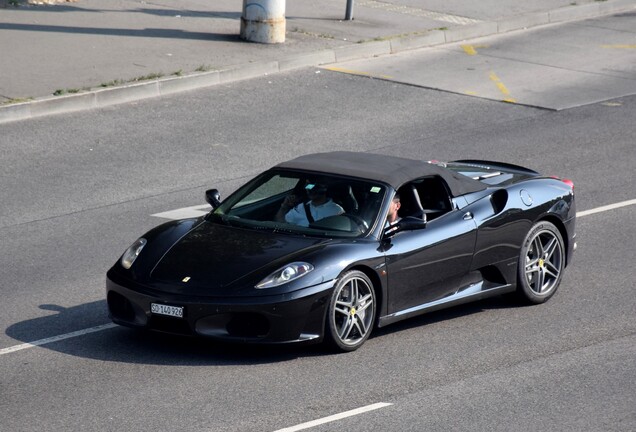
(263, 21)
(349, 13)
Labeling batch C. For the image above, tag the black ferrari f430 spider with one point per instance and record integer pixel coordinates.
(329, 246)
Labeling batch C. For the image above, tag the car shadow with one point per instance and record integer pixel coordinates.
(126, 345)
(506, 301)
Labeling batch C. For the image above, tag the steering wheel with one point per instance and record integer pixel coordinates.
(362, 224)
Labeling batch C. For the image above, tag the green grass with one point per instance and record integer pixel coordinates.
(60, 92)
(16, 101)
(117, 82)
(204, 68)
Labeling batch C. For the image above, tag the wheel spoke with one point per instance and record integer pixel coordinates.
(353, 311)
(551, 269)
(344, 303)
(550, 248)
(531, 270)
(532, 265)
(347, 327)
(362, 327)
(364, 303)
(342, 309)
(533, 278)
(537, 246)
(540, 281)
(541, 262)
(355, 292)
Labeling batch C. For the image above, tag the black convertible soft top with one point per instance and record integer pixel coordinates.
(392, 170)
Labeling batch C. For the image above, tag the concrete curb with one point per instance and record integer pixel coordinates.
(99, 98)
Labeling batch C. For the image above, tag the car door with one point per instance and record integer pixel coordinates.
(428, 264)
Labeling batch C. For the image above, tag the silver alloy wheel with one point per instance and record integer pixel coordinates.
(544, 262)
(352, 311)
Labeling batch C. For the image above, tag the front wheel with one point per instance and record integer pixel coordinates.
(541, 263)
(351, 313)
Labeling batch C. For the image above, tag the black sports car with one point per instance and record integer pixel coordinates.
(331, 245)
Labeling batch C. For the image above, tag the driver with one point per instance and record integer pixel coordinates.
(318, 207)
(392, 217)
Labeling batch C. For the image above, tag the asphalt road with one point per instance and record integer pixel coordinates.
(78, 189)
(553, 67)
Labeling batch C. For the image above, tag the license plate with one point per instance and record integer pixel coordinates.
(162, 309)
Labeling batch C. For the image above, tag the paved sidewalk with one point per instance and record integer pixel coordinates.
(92, 53)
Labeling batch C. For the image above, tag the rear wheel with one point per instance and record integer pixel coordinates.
(351, 313)
(541, 263)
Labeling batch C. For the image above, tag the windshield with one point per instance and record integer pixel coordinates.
(303, 203)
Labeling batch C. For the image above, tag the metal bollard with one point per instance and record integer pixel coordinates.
(263, 21)
(349, 11)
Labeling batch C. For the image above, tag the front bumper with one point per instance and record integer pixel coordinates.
(293, 317)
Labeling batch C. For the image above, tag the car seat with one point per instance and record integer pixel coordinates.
(410, 204)
(343, 195)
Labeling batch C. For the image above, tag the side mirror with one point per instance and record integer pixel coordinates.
(213, 197)
(409, 223)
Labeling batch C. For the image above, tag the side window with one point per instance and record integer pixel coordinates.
(410, 203)
(434, 194)
(427, 196)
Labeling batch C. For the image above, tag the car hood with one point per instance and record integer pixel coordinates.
(211, 258)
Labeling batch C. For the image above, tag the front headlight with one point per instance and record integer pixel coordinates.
(285, 274)
(132, 253)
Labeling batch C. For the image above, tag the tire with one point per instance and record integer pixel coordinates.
(541, 263)
(351, 312)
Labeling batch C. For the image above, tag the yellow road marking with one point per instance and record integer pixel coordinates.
(472, 49)
(348, 71)
(620, 46)
(502, 88)
(469, 49)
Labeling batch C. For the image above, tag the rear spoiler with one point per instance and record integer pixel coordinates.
(496, 165)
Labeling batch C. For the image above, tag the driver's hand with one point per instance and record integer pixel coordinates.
(289, 202)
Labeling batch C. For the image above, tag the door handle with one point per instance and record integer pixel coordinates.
(468, 216)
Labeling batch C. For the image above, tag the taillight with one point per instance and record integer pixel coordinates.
(566, 181)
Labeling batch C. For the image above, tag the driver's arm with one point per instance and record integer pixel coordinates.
(288, 203)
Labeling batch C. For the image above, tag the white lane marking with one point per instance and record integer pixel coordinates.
(335, 417)
(56, 338)
(606, 208)
(184, 213)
